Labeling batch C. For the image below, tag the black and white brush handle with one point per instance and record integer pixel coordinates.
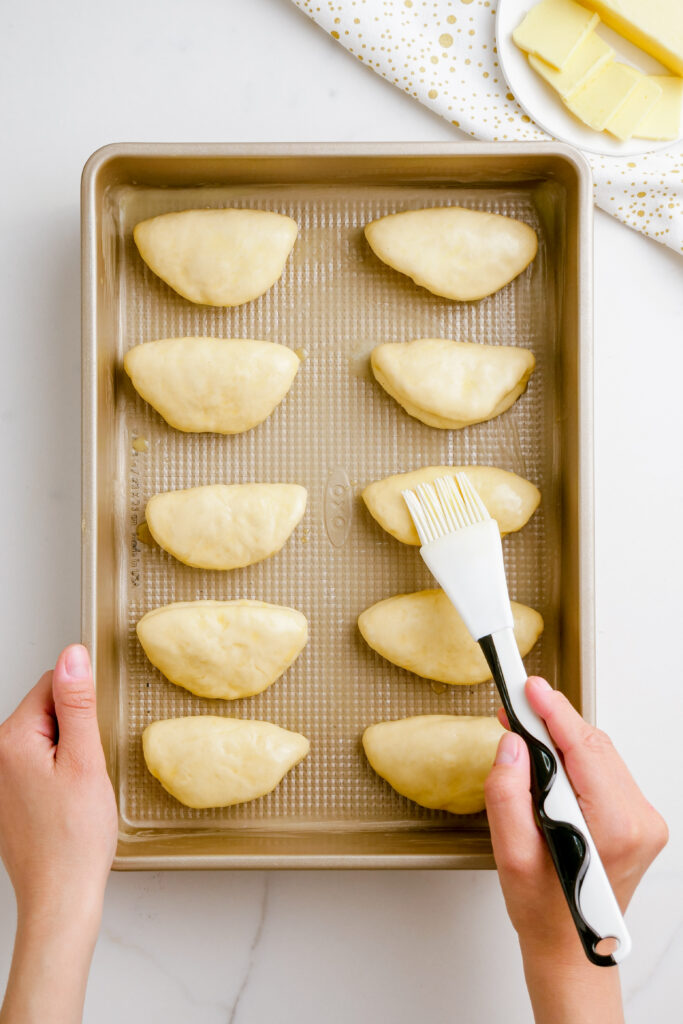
(589, 894)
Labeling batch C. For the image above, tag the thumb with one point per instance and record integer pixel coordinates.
(517, 843)
(73, 692)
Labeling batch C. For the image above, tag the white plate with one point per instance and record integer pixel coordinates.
(542, 103)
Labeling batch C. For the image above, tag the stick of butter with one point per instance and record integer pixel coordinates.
(638, 103)
(656, 26)
(588, 58)
(553, 29)
(601, 98)
(663, 121)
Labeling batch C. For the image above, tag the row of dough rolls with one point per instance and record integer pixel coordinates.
(441, 761)
(226, 257)
(231, 385)
(219, 649)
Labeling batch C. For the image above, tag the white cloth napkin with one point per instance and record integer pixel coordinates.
(444, 54)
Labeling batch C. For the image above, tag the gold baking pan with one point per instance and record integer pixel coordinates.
(335, 431)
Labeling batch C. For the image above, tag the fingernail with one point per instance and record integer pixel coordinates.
(77, 662)
(540, 684)
(508, 749)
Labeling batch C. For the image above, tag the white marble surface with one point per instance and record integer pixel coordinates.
(308, 947)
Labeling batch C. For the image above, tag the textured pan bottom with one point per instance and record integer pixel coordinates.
(334, 432)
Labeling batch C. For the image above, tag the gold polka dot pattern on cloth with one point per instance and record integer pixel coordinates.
(444, 54)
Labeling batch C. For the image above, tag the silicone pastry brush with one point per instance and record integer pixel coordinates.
(462, 548)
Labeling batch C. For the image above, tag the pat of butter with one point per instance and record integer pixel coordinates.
(663, 122)
(638, 103)
(553, 29)
(656, 26)
(602, 97)
(584, 63)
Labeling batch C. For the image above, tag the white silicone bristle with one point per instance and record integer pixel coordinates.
(475, 506)
(419, 517)
(447, 505)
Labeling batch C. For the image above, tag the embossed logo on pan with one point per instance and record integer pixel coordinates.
(337, 506)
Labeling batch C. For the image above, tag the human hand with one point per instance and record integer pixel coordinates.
(628, 833)
(58, 825)
(57, 809)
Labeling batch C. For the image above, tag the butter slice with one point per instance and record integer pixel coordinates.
(601, 98)
(639, 103)
(588, 58)
(553, 29)
(663, 122)
(656, 26)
